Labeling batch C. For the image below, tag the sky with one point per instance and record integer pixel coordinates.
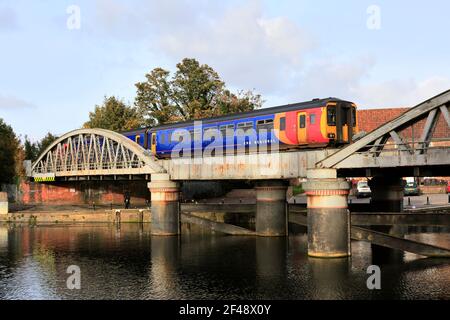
(58, 58)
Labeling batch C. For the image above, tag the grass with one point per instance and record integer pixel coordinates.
(296, 190)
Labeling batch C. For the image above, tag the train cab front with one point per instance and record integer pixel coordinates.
(342, 122)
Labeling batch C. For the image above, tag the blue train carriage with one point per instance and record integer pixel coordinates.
(312, 124)
(140, 136)
(164, 139)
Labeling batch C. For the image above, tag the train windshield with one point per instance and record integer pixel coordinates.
(331, 115)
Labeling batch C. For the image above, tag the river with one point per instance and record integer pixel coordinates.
(126, 262)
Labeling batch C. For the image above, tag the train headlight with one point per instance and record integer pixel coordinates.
(331, 135)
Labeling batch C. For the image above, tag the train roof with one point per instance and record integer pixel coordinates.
(260, 112)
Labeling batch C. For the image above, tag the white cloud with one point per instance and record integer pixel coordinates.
(400, 92)
(352, 80)
(10, 102)
(250, 50)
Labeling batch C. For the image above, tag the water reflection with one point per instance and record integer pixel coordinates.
(163, 269)
(271, 263)
(3, 239)
(126, 262)
(329, 277)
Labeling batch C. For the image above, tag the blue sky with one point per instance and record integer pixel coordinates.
(52, 76)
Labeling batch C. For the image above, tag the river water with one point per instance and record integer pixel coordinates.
(126, 262)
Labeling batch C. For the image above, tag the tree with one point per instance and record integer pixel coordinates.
(114, 115)
(45, 143)
(31, 149)
(155, 100)
(194, 92)
(9, 148)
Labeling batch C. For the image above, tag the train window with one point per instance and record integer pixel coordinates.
(312, 118)
(137, 138)
(259, 122)
(153, 139)
(283, 124)
(230, 127)
(302, 121)
(331, 115)
(241, 125)
(354, 116)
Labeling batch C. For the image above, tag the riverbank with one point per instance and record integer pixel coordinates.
(76, 214)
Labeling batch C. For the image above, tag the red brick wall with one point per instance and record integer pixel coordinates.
(371, 119)
(76, 193)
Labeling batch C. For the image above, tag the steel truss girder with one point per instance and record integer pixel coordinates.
(372, 144)
(93, 152)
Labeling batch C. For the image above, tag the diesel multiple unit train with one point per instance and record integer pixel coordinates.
(313, 124)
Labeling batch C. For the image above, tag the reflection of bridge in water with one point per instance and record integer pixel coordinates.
(383, 155)
(127, 262)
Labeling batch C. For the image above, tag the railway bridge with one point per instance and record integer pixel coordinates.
(382, 155)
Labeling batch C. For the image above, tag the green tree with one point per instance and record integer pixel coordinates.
(114, 115)
(31, 149)
(45, 143)
(155, 99)
(9, 149)
(194, 92)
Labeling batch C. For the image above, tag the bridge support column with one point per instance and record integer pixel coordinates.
(271, 213)
(165, 205)
(328, 215)
(387, 193)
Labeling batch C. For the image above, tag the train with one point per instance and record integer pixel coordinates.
(317, 123)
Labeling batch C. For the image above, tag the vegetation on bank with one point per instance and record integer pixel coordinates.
(13, 153)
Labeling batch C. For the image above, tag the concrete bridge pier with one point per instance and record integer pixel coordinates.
(387, 193)
(271, 209)
(328, 215)
(165, 205)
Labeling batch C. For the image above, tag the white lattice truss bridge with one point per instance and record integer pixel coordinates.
(90, 152)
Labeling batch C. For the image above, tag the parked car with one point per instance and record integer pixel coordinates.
(448, 187)
(411, 189)
(363, 189)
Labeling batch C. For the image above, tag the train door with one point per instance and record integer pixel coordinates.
(345, 122)
(153, 143)
(302, 128)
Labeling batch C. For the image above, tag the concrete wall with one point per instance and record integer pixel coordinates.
(83, 192)
(3, 203)
(433, 189)
(11, 190)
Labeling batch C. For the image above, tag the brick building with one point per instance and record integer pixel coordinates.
(370, 119)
